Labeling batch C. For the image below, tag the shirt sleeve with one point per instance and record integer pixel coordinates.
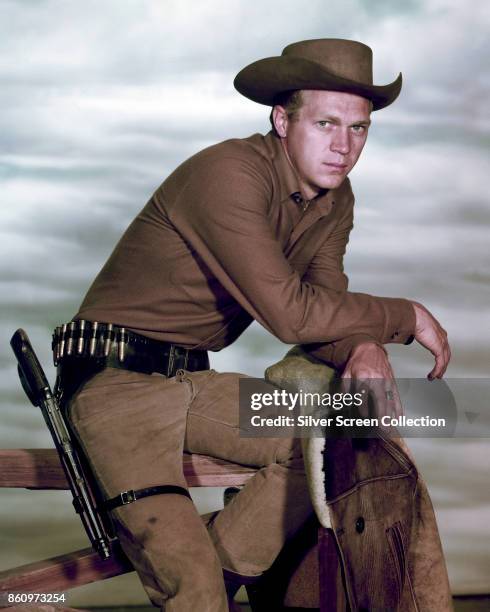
(221, 210)
(327, 270)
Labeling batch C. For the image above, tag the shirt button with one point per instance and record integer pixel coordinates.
(360, 525)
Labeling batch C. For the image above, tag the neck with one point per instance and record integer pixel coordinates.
(307, 191)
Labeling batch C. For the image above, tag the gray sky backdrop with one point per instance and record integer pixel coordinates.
(101, 100)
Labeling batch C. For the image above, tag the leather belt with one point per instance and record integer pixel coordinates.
(107, 345)
(128, 497)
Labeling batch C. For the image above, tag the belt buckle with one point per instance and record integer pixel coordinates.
(127, 497)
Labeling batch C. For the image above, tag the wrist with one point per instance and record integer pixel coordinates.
(367, 348)
(420, 314)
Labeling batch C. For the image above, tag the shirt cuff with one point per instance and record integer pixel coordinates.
(400, 321)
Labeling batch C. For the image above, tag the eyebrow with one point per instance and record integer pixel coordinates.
(365, 122)
(337, 121)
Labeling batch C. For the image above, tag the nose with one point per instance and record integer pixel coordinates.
(340, 141)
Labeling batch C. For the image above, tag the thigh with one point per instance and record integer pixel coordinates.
(213, 424)
(132, 428)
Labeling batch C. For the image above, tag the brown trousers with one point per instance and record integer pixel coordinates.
(134, 429)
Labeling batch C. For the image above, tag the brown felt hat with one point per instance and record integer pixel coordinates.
(325, 63)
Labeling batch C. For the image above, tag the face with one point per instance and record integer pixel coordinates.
(325, 138)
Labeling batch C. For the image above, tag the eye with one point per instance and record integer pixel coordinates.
(359, 129)
(323, 123)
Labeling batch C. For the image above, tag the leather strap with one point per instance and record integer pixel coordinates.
(128, 497)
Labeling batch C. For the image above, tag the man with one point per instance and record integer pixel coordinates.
(247, 229)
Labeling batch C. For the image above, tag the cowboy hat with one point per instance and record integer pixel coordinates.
(325, 63)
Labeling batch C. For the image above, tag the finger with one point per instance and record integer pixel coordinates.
(393, 403)
(393, 409)
(345, 386)
(437, 369)
(346, 381)
(446, 353)
(444, 357)
(347, 373)
(397, 402)
(380, 394)
(392, 391)
(447, 356)
(362, 386)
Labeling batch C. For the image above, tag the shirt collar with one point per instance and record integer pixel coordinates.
(289, 183)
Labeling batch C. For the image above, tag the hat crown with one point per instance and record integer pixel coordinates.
(347, 59)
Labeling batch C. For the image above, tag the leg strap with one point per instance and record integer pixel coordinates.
(128, 497)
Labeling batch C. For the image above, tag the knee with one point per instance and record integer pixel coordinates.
(176, 575)
(195, 582)
(290, 454)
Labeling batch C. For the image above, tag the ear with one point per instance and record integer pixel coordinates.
(280, 119)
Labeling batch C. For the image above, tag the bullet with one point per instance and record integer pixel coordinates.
(93, 339)
(81, 339)
(108, 340)
(71, 337)
(63, 340)
(121, 344)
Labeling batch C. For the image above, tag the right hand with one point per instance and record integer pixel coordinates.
(368, 366)
(430, 334)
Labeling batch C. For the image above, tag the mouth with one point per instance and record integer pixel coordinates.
(335, 168)
(334, 165)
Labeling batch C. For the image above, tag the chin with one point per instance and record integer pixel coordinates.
(332, 182)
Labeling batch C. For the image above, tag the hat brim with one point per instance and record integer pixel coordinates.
(263, 80)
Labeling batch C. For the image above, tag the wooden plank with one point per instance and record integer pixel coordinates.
(203, 471)
(35, 468)
(41, 469)
(59, 574)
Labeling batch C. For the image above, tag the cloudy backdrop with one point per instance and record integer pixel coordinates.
(101, 100)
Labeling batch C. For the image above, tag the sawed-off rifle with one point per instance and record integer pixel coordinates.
(36, 386)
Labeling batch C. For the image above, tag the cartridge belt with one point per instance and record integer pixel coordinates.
(109, 345)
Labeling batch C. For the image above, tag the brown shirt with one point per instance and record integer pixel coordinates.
(224, 241)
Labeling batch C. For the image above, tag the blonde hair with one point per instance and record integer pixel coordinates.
(292, 101)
